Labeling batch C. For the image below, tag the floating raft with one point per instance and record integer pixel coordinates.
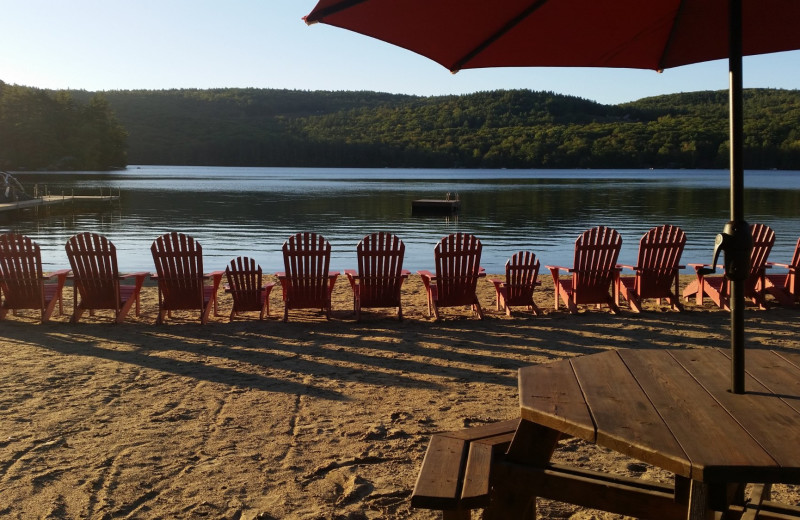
(443, 206)
(54, 200)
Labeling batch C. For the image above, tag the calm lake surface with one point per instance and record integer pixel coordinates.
(251, 211)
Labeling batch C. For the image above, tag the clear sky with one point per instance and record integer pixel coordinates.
(161, 44)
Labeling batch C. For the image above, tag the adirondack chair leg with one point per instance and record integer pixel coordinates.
(571, 305)
(206, 313)
(47, 312)
(400, 313)
(556, 289)
(477, 309)
(76, 315)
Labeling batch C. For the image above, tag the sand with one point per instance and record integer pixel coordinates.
(310, 419)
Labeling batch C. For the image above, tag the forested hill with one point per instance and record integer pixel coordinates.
(511, 129)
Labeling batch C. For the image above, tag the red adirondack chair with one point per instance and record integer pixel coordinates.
(181, 282)
(594, 272)
(307, 281)
(657, 268)
(785, 287)
(457, 259)
(96, 278)
(380, 274)
(718, 287)
(246, 288)
(22, 282)
(522, 271)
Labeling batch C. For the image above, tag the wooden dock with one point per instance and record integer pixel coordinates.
(435, 206)
(56, 200)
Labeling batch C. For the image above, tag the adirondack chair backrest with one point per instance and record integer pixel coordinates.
(660, 251)
(306, 260)
(380, 266)
(596, 253)
(458, 258)
(20, 271)
(793, 280)
(179, 267)
(93, 260)
(795, 262)
(244, 279)
(522, 269)
(763, 240)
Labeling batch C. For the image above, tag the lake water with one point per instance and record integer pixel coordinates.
(251, 211)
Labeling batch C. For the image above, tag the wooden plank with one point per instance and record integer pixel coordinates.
(777, 511)
(773, 424)
(717, 446)
(550, 395)
(594, 490)
(779, 372)
(438, 482)
(625, 418)
(483, 431)
(476, 483)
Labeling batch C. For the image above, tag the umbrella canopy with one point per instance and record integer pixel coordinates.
(642, 34)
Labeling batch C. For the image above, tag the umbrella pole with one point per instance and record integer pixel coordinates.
(742, 240)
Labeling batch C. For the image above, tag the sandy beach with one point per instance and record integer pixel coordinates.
(310, 419)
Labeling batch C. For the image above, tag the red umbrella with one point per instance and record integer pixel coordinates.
(643, 34)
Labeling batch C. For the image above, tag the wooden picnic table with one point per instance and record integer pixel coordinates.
(668, 408)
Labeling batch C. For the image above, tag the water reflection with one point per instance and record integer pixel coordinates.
(251, 211)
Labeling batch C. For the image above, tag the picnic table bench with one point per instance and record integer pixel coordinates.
(667, 408)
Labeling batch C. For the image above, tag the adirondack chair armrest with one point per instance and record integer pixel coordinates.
(556, 268)
(427, 278)
(61, 274)
(626, 266)
(481, 271)
(497, 283)
(139, 277)
(140, 274)
(778, 264)
(216, 278)
(405, 273)
(698, 267)
(352, 277)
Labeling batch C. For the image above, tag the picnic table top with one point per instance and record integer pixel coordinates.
(673, 409)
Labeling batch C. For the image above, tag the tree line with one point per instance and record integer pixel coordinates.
(497, 129)
(42, 129)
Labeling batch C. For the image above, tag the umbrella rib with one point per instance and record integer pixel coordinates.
(671, 38)
(333, 9)
(459, 64)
